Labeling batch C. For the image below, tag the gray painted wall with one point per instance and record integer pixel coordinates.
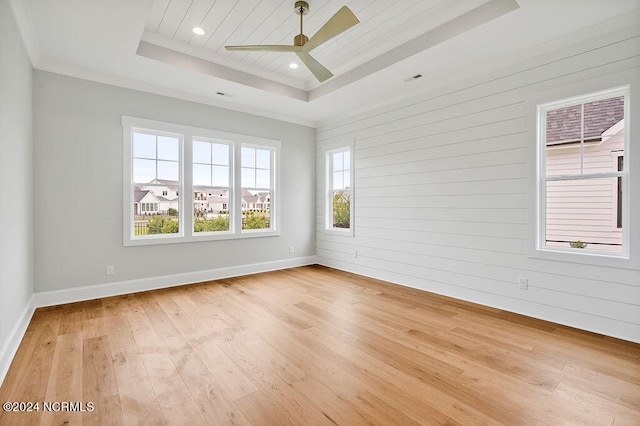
(16, 175)
(78, 181)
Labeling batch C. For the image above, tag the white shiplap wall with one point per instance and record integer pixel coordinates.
(444, 184)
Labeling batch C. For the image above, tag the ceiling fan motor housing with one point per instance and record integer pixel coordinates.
(300, 40)
(301, 7)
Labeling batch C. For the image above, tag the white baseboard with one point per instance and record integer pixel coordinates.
(78, 294)
(9, 349)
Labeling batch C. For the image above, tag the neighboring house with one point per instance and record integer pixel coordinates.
(255, 202)
(586, 210)
(145, 202)
(159, 196)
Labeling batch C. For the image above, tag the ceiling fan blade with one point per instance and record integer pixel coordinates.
(266, 48)
(316, 68)
(341, 21)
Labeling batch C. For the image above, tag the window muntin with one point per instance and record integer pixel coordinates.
(207, 165)
(581, 189)
(156, 173)
(340, 190)
(212, 171)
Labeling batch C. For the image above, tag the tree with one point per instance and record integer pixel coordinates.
(162, 225)
(253, 220)
(341, 210)
(220, 223)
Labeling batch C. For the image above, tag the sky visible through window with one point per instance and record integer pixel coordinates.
(210, 164)
(155, 157)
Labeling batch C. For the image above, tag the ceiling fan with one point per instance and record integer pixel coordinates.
(341, 21)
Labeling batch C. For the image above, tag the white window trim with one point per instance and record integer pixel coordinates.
(631, 234)
(328, 201)
(187, 134)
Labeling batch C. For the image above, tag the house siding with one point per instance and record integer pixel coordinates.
(584, 210)
(444, 183)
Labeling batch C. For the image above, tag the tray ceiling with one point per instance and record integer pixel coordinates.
(149, 45)
(384, 25)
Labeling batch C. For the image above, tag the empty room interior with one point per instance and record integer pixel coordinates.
(272, 212)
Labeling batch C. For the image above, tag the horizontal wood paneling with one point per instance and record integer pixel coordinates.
(442, 190)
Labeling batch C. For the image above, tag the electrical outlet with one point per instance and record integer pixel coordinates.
(111, 270)
(291, 249)
(523, 283)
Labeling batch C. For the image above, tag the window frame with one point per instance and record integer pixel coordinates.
(328, 192)
(273, 212)
(567, 253)
(187, 190)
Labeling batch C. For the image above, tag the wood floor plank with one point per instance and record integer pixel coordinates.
(314, 345)
(137, 397)
(99, 383)
(176, 402)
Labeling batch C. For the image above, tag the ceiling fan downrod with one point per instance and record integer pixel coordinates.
(301, 8)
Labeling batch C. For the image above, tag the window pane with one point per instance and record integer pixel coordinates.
(347, 160)
(248, 178)
(211, 210)
(263, 179)
(563, 159)
(263, 159)
(582, 213)
(337, 180)
(248, 157)
(256, 211)
(601, 116)
(168, 170)
(201, 152)
(144, 171)
(221, 154)
(168, 148)
(341, 209)
(563, 124)
(201, 174)
(347, 179)
(338, 160)
(220, 175)
(144, 145)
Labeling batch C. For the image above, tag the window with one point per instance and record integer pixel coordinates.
(257, 181)
(339, 194)
(582, 192)
(229, 184)
(156, 166)
(211, 178)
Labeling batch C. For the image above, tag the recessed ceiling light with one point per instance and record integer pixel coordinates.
(198, 30)
(293, 65)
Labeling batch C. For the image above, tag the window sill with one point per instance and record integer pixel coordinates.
(339, 231)
(223, 236)
(584, 256)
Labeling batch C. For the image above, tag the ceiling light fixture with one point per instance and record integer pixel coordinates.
(293, 65)
(198, 31)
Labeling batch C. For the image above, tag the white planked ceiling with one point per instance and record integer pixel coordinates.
(385, 24)
(149, 45)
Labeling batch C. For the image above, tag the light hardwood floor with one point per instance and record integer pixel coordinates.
(313, 345)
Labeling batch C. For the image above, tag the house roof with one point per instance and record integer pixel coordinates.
(139, 194)
(564, 124)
